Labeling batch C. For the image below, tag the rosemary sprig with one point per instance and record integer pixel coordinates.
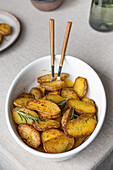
(62, 102)
(65, 147)
(73, 114)
(26, 116)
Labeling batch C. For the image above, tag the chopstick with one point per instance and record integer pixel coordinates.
(52, 45)
(68, 28)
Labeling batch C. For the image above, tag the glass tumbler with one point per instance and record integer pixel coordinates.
(101, 15)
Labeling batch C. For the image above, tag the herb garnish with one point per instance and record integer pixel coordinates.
(62, 102)
(65, 147)
(26, 116)
(73, 114)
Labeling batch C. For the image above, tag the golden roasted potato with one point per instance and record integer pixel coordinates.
(18, 119)
(54, 92)
(66, 117)
(5, 29)
(51, 133)
(55, 98)
(53, 85)
(47, 77)
(42, 89)
(46, 124)
(86, 99)
(80, 127)
(59, 119)
(27, 95)
(36, 92)
(29, 135)
(89, 115)
(68, 83)
(80, 86)
(67, 93)
(44, 116)
(79, 141)
(21, 101)
(81, 107)
(58, 144)
(44, 106)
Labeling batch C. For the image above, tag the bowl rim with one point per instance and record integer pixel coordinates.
(48, 155)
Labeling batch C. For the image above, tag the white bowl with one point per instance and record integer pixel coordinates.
(26, 79)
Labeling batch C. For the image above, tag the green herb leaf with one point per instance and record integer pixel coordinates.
(72, 116)
(27, 116)
(62, 102)
(65, 147)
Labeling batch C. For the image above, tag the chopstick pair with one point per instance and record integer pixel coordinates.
(68, 28)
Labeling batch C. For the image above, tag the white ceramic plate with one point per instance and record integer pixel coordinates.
(26, 79)
(10, 19)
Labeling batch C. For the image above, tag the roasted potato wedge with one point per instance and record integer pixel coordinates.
(79, 141)
(66, 117)
(80, 127)
(36, 92)
(44, 116)
(68, 83)
(86, 99)
(55, 98)
(45, 125)
(47, 77)
(81, 107)
(29, 135)
(53, 85)
(27, 95)
(51, 133)
(18, 119)
(5, 29)
(58, 144)
(80, 86)
(67, 93)
(54, 92)
(59, 119)
(45, 106)
(89, 115)
(21, 101)
(42, 89)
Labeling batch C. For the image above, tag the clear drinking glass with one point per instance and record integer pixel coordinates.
(101, 15)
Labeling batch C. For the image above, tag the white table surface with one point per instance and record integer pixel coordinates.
(93, 47)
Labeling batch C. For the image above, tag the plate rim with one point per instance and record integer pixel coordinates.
(18, 24)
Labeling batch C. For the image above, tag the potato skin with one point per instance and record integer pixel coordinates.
(81, 107)
(67, 93)
(27, 95)
(36, 92)
(43, 116)
(55, 98)
(79, 141)
(47, 77)
(45, 106)
(66, 117)
(57, 144)
(17, 118)
(87, 100)
(80, 127)
(5, 29)
(21, 101)
(80, 86)
(1, 38)
(53, 85)
(46, 124)
(29, 135)
(51, 133)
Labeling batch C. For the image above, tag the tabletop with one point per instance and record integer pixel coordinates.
(93, 47)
